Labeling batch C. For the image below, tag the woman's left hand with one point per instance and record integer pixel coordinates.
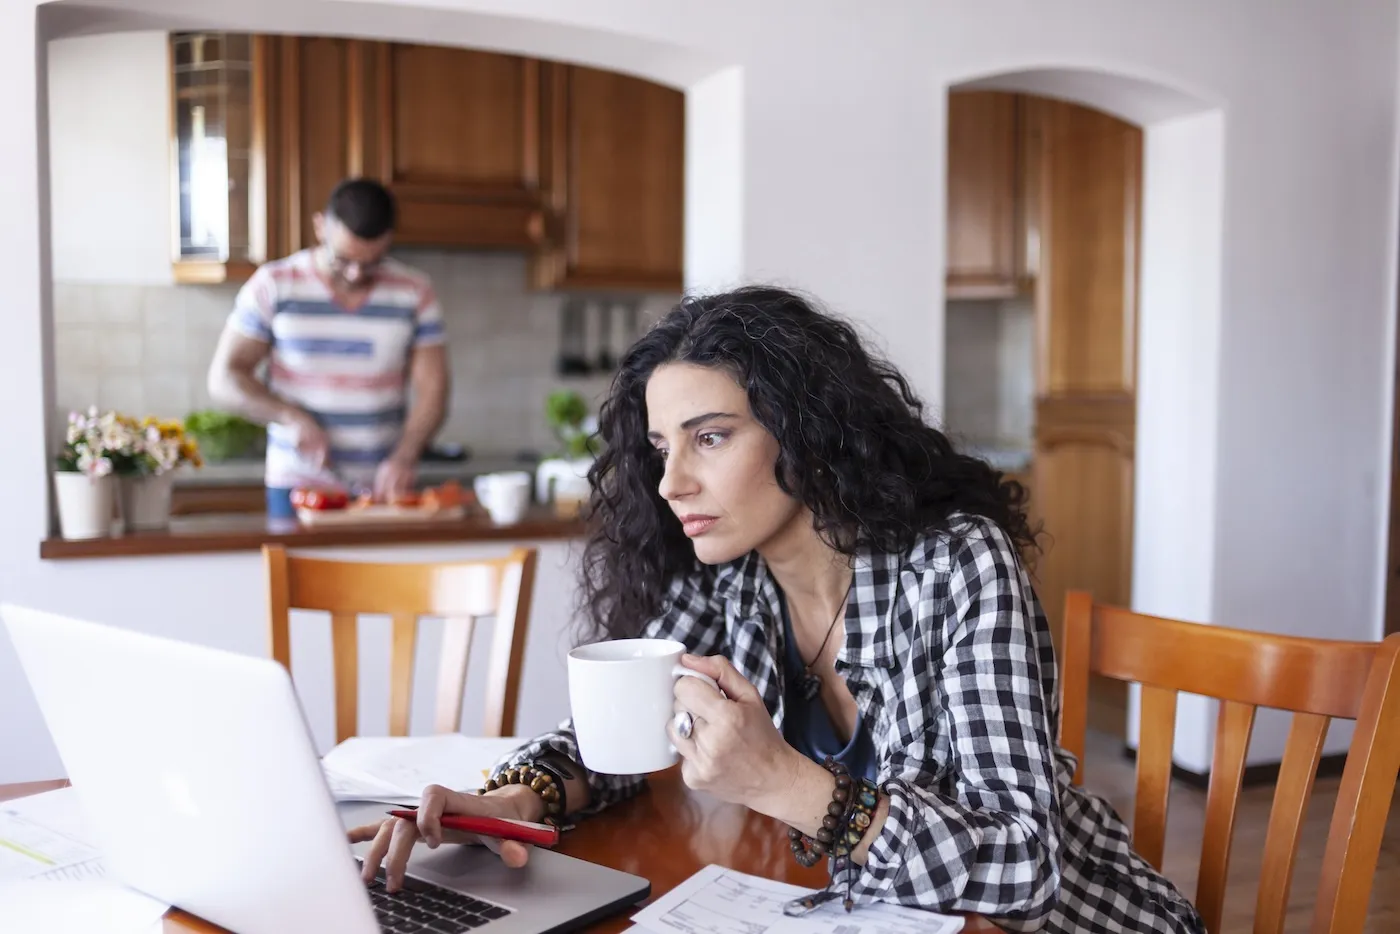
(734, 751)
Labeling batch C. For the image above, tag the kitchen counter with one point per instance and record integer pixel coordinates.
(236, 486)
(250, 531)
(249, 471)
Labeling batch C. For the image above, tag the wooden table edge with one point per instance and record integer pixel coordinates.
(177, 921)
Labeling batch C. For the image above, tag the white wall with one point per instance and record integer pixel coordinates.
(841, 132)
(1177, 392)
(109, 132)
(714, 201)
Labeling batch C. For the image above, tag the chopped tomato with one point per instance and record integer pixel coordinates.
(406, 498)
(449, 494)
(320, 500)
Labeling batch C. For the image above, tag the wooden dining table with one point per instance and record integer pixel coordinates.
(666, 834)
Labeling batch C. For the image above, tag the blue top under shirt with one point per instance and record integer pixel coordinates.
(807, 726)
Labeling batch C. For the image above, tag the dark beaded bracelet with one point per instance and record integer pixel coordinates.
(541, 781)
(863, 799)
(806, 850)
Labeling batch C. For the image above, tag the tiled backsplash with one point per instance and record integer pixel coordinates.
(146, 349)
(990, 397)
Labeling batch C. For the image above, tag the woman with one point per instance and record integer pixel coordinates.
(765, 482)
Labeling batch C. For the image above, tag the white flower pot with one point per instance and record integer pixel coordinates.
(146, 501)
(84, 504)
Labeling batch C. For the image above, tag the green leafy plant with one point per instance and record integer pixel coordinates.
(567, 414)
(223, 435)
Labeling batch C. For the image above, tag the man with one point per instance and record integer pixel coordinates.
(346, 332)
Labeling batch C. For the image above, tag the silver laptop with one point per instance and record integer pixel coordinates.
(199, 779)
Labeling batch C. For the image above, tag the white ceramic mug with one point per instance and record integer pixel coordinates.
(506, 495)
(621, 696)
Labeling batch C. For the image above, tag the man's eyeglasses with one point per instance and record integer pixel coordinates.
(340, 265)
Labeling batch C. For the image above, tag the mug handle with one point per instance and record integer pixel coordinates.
(684, 672)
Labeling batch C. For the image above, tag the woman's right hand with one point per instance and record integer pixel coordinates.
(394, 837)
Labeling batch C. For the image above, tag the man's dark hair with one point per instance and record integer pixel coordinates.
(364, 206)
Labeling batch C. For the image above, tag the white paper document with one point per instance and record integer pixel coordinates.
(52, 879)
(395, 769)
(95, 906)
(721, 901)
(43, 835)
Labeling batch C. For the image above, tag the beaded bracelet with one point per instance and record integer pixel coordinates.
(539, 778)
(863, 799)
(807, 850)
(847, 819)
(560, 775)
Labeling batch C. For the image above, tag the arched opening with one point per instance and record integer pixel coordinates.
(187, 326)
(1100, 331)
(660, 61)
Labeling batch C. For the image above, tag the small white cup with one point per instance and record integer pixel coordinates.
(506, 495)
(621, 696)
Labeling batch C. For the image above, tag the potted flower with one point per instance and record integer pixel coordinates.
(97, 448)
(145, 492)
(563, 479)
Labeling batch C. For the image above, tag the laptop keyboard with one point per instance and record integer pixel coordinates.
(423, 908)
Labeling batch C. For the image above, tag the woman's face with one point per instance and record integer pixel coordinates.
(718, 463)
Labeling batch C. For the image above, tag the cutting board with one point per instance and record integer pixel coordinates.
(378, 514)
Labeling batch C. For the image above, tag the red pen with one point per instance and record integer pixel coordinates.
(502, 828)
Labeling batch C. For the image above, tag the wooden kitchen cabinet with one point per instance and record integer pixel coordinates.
(459, 144)
(582, 169)
(453, 133)
(318, 136)
(613, 164)
(986, 255)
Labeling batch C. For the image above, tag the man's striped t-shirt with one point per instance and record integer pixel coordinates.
(348, 368)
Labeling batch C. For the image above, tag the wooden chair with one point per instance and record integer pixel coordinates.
(1317, 679)
(460, 592)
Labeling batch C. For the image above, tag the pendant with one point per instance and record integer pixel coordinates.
(810, 685)
(807, 903)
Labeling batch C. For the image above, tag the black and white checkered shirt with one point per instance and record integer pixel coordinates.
(948, 656)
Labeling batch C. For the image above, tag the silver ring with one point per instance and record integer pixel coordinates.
(684, 724)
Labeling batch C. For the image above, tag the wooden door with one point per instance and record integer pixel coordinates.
(614, 166)
(1086, 309)
(984, 194)
(458, 142)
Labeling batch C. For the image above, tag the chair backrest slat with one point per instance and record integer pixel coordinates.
(1235, 724)
(1154, 772)
(1316, 679)
(402, 654)
(507, 657)
(1363, 801)
(345, 653)
(1295, 783)
(459, 592)
(1074, 676)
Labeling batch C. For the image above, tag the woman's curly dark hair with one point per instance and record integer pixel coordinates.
(853, 448)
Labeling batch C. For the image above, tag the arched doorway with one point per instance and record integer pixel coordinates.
(1088, 272)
